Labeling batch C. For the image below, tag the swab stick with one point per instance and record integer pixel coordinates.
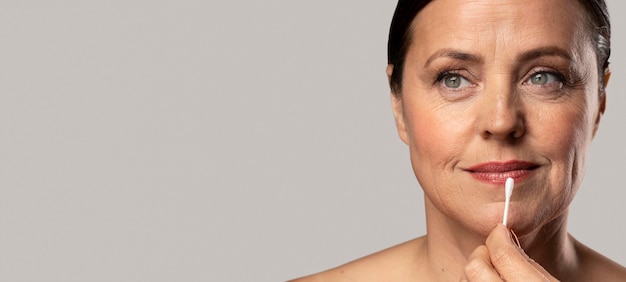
(508, 190)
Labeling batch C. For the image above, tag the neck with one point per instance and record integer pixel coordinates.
(449, 244)
(553, 248)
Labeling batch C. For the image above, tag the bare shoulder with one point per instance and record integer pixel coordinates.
(597, 267)
(390, 264)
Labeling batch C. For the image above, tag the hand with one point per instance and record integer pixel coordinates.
(501, 260)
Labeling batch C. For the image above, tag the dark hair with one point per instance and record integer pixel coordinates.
(400, 36)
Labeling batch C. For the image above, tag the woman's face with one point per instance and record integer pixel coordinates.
(497, 89)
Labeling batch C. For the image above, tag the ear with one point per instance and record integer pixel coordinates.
(602, 102)
(398, 109)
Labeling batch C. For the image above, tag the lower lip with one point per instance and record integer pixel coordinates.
(499, 178)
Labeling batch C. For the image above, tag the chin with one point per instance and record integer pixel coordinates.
(482, 221)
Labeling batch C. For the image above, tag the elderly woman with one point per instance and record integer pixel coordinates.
(483, 91)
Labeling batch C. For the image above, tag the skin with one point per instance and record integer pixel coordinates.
(495, 81)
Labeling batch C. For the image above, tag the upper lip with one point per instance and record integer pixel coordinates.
(495, 167)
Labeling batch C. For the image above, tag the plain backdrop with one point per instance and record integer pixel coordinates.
(222, 141)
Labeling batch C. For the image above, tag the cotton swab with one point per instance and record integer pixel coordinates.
(508, 191)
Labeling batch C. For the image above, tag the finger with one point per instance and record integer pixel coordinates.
(540, 268)
(479, 268)
(510, 261)
(515, 241)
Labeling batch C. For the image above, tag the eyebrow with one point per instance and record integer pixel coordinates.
(524, 57)
(453, 54)
(549, 51)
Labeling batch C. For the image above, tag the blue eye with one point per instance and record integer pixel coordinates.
(544, 78)
(454, 81)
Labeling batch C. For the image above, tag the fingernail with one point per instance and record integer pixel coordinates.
(514, 238)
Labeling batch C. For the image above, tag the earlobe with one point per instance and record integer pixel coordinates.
(398, 109)
(602, 107)
(602, 102)
(398, 114)
(389, 72)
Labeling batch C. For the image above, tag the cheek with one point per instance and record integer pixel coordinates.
(563, 137)
(563, 133)
(435, 138)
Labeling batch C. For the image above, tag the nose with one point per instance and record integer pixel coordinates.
(501, 116)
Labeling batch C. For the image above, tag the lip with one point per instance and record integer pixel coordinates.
(498, 172)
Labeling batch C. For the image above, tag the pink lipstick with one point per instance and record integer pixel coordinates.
(498, 172)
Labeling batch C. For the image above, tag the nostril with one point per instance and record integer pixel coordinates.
(516, 134)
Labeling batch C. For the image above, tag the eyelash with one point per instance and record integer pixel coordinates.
(558, 75)
(445, 74)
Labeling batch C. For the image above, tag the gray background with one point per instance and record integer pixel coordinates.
(222, 141)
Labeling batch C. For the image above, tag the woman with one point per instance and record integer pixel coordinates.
(482, 91)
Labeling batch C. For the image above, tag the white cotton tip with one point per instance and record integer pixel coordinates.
(508, 187)
(508, 191)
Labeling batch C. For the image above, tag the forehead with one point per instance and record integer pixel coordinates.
(492, 25)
